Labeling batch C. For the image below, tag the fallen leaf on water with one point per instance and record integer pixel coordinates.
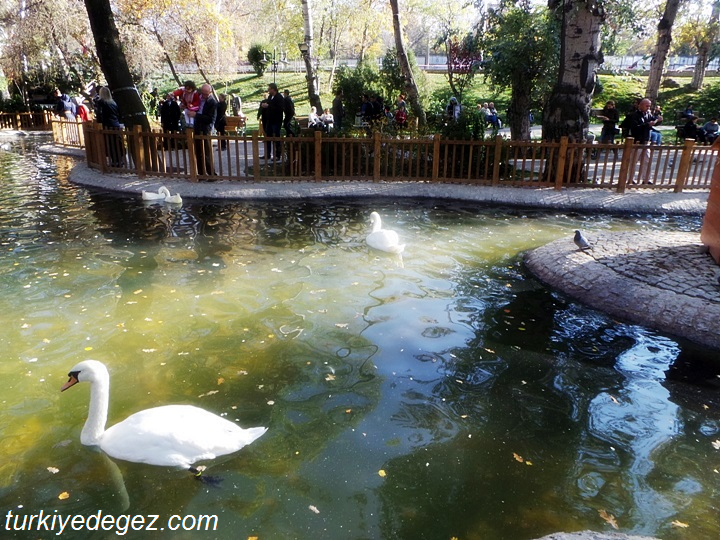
(518, 458)
(528, 463)
(382, 473)
(680, 524)
(341, 325)
(614, 400)
(210, 393)
(716, 444)
(221, 380)
(314, 509)
(53, 470)
(64, 495)
(330, 377)
(138, 291)
(609, 518)
(253, 538)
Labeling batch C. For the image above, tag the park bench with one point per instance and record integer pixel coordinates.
(236, 124)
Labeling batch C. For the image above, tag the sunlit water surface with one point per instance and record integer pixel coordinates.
(447, 394)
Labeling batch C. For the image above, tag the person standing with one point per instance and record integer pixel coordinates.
(274, 109)
(170, 114)
(641, 122)
(289, 114)
(610, 117)
(221, 120)
(338, 109)
(204, 121)
(108, 114)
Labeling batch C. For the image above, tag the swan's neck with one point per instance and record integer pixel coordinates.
(97, 415)
(377, 225)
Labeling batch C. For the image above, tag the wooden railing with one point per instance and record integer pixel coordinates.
(497, 162)
(68, 133)
(25, 121)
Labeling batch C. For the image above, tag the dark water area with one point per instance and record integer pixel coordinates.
(442, 394)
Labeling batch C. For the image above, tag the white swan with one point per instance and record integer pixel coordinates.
(162, 193)
(173, 199)
(172, 435)
(383, 239)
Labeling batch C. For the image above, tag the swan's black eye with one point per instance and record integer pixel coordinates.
(74, 374)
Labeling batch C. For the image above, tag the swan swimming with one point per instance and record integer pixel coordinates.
(173, 199)
(383, 239)
(171, 435)
(162, 193)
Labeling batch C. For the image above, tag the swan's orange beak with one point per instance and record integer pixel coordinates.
(72, 381)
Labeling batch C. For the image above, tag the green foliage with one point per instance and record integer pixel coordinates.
(531, 62)
(257, 58)
(624, 90)
(364, 79)
(707, 101)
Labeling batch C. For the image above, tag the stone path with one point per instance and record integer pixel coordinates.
(663, 280)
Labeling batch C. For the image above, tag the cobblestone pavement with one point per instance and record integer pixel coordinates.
(665, 280)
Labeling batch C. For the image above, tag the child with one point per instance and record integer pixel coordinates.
(189, 101)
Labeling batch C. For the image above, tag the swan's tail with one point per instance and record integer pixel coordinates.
(398, 249)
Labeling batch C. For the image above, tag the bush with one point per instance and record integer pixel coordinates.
(364, 79)
(258, 59)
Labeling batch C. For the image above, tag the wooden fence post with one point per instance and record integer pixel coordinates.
(684, 166)
(496, 160)
(318, 156)
(139, 156)
(562, 160)
(436, 157)
(190, 141)
(256, 156)
(102, 146)
(81, 135)
(376, 156)
(626, 164)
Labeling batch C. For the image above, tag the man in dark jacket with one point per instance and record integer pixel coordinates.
(289, 114)
(640, 123)
(274, 110)
(204, 122)
(338, 110)
(170, 114)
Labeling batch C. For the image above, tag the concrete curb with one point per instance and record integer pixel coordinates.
(666, 281)
(600, 200)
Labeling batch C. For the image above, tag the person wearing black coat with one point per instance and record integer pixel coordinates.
(204, 122)
(221, 120)
(274, 110)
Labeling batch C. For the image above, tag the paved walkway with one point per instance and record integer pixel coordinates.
(664, 280)
(692, 202)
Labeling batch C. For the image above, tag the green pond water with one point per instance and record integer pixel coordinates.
(443, 395)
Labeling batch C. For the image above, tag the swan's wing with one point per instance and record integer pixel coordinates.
(175, 435)
(385, 240)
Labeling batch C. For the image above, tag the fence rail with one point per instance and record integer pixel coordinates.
(25, 121)
(496, 162)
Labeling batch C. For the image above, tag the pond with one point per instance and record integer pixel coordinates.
(444, 394)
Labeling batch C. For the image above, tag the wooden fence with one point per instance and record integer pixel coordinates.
(497, 162)
(25, 121)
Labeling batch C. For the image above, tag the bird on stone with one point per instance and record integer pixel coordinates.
(580, 241)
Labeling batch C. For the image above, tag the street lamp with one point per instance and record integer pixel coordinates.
(273, 64)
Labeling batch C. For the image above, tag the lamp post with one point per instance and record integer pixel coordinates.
(273, 63)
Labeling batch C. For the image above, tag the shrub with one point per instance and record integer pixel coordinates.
(257, 58)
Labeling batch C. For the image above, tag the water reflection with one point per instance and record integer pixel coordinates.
(451, 396)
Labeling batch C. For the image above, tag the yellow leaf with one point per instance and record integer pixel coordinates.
(518, 457)
(88, 348)
(609, 518)
(53, 470)
(382, 473)
(528, 463)
(64, 495)
(680, 524)
(252, 538)
(221, 380)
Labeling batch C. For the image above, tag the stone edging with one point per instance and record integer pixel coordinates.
(663, 280)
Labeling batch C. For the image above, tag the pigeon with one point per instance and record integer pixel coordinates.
(580, 241)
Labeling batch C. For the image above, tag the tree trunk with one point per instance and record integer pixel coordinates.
(168, 60)
(519, 110)
(310, 72)
(411, 88)
(662, 46)
(567, 111)
(114, 64)
(703, 47)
